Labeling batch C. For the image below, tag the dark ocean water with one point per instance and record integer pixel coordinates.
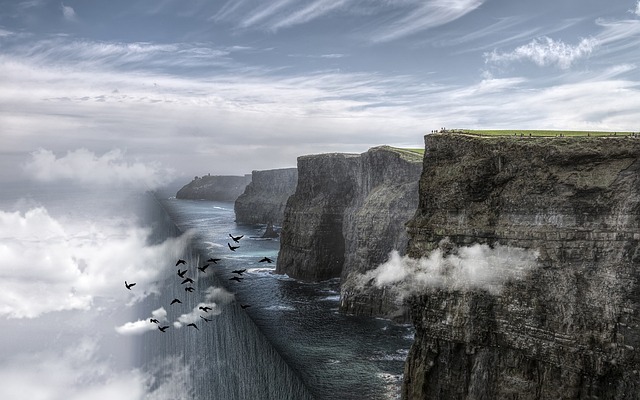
(292, 330)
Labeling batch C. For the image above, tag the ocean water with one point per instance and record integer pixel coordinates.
(336, 356)
(290, 343)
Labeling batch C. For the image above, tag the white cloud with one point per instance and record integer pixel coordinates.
(76, 373)
(636, 11)
(465, 268)
(545, 52)
(219, 295)
(314, 10)
(50, 266)
(141, 326)
(86, 167)
(426, 15)
(196, 313)
(68, 12)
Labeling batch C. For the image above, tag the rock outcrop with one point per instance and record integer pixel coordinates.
(214, 187)
(265, 198)
(570, 328)
(347, 213)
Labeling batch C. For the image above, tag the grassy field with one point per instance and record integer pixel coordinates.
(542, 133)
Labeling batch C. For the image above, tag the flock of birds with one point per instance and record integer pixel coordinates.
(187, 280)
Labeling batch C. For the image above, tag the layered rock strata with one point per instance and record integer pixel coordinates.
(347, 213)
(214, 187)
(570, 328)
(265, 198)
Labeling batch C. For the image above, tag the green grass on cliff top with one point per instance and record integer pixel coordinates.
(542, 133)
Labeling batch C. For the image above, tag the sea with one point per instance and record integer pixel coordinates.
(268, 337)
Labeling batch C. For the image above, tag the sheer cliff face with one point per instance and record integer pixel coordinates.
(215, 187)
(348, 212)
(264, 199)
(571, 327)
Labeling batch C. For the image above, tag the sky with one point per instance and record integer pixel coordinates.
(169, 89)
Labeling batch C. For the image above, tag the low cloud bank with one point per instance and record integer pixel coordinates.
(85, 167)
(48, 265)
(476, 267)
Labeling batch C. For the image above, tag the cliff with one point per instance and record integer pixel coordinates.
(570, 327)
(347, 213)
(214, 187)
(264, 199)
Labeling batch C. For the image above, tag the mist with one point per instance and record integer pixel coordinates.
(476, 267)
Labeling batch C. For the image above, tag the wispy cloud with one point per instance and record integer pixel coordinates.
(68, 12)
(426, 15)
(636, 11)
(264, 12)
(545, 52)
(85, 167)
(312, 11)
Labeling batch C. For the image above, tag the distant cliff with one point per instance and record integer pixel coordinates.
(347, 213)
(264, 199)
(571, 327)
(214, 187)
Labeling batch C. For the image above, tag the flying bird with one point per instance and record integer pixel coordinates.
(208, 320)
(163, 328)
(232, 248)
(236, 238)
(235, 278)
(174, 301)
(187, 280)
(181, 273)
(155, 321)
(266, 259)
(245, 306)
(214, 260)
(239, 271)
(203, 268)
(181, 262)
(194, 325)
(205, 308)
(129, 285)
(189, 289)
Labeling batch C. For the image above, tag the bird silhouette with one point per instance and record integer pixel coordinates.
(266, 259)
(187, 280)
(232, 248)
(204, 267)
(236, 238)
(208, 320)
(155, 321)
(235, 278)
(245, 306)
(205, 308)
(194, 325)
(214, 260)
(181, 262)
(181, 273)
(129, 285)
(189, 289)
(163, 328)
(239, 271)
(174, 301)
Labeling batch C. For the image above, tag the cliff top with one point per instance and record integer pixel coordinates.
(535, 132)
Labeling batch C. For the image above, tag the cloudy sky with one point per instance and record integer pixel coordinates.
(228, 86)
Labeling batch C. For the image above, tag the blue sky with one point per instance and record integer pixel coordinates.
(225, 87)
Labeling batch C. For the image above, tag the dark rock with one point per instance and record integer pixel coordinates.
(348, 212)
(265, 198)
(214, 187)
(571, 328)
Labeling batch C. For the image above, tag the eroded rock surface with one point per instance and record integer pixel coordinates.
(570, 328)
